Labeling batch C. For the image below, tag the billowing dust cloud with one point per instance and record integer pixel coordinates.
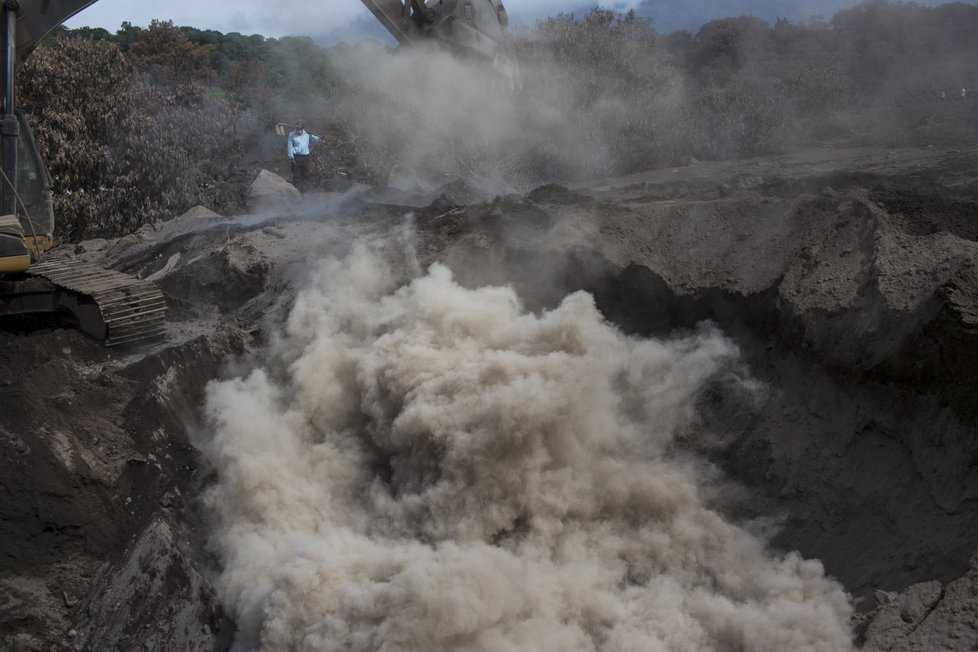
(422, 467)
(426, 115)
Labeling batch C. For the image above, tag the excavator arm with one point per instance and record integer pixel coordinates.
(35, 18)
(395, 16)
(472, 25)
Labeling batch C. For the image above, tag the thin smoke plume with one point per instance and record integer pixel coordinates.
(417, 466)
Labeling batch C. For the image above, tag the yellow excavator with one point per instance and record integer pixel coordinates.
(113, 307)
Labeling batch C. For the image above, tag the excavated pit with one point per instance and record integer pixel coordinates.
(865, 446)
(846, 279)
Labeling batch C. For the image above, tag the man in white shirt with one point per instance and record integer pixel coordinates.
(298, 150)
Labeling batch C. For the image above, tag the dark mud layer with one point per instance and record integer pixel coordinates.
(97, 547)
(846, 277)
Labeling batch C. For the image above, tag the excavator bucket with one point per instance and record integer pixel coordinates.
(472, 25)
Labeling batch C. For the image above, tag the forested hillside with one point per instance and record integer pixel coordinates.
(142, 124)
(671, 15)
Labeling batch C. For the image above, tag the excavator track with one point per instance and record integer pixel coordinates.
(109, 305)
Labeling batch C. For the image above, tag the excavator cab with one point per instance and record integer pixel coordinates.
(33, 189)
(26, 233)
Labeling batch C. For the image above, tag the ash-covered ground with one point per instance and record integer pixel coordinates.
(727, 406)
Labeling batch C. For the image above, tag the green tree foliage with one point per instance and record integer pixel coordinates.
(168, 56)
(299, 69)
(74, 109)
(122, 151)
(126, 36)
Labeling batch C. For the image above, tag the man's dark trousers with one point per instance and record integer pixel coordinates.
(300, 172)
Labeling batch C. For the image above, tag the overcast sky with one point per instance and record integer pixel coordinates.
(286, 17)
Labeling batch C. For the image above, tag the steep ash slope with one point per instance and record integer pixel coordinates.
(97, 476)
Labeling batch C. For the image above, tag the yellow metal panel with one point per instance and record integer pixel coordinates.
(13, 264)
(38, 245)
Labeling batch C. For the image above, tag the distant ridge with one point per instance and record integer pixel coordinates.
(672, 15)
